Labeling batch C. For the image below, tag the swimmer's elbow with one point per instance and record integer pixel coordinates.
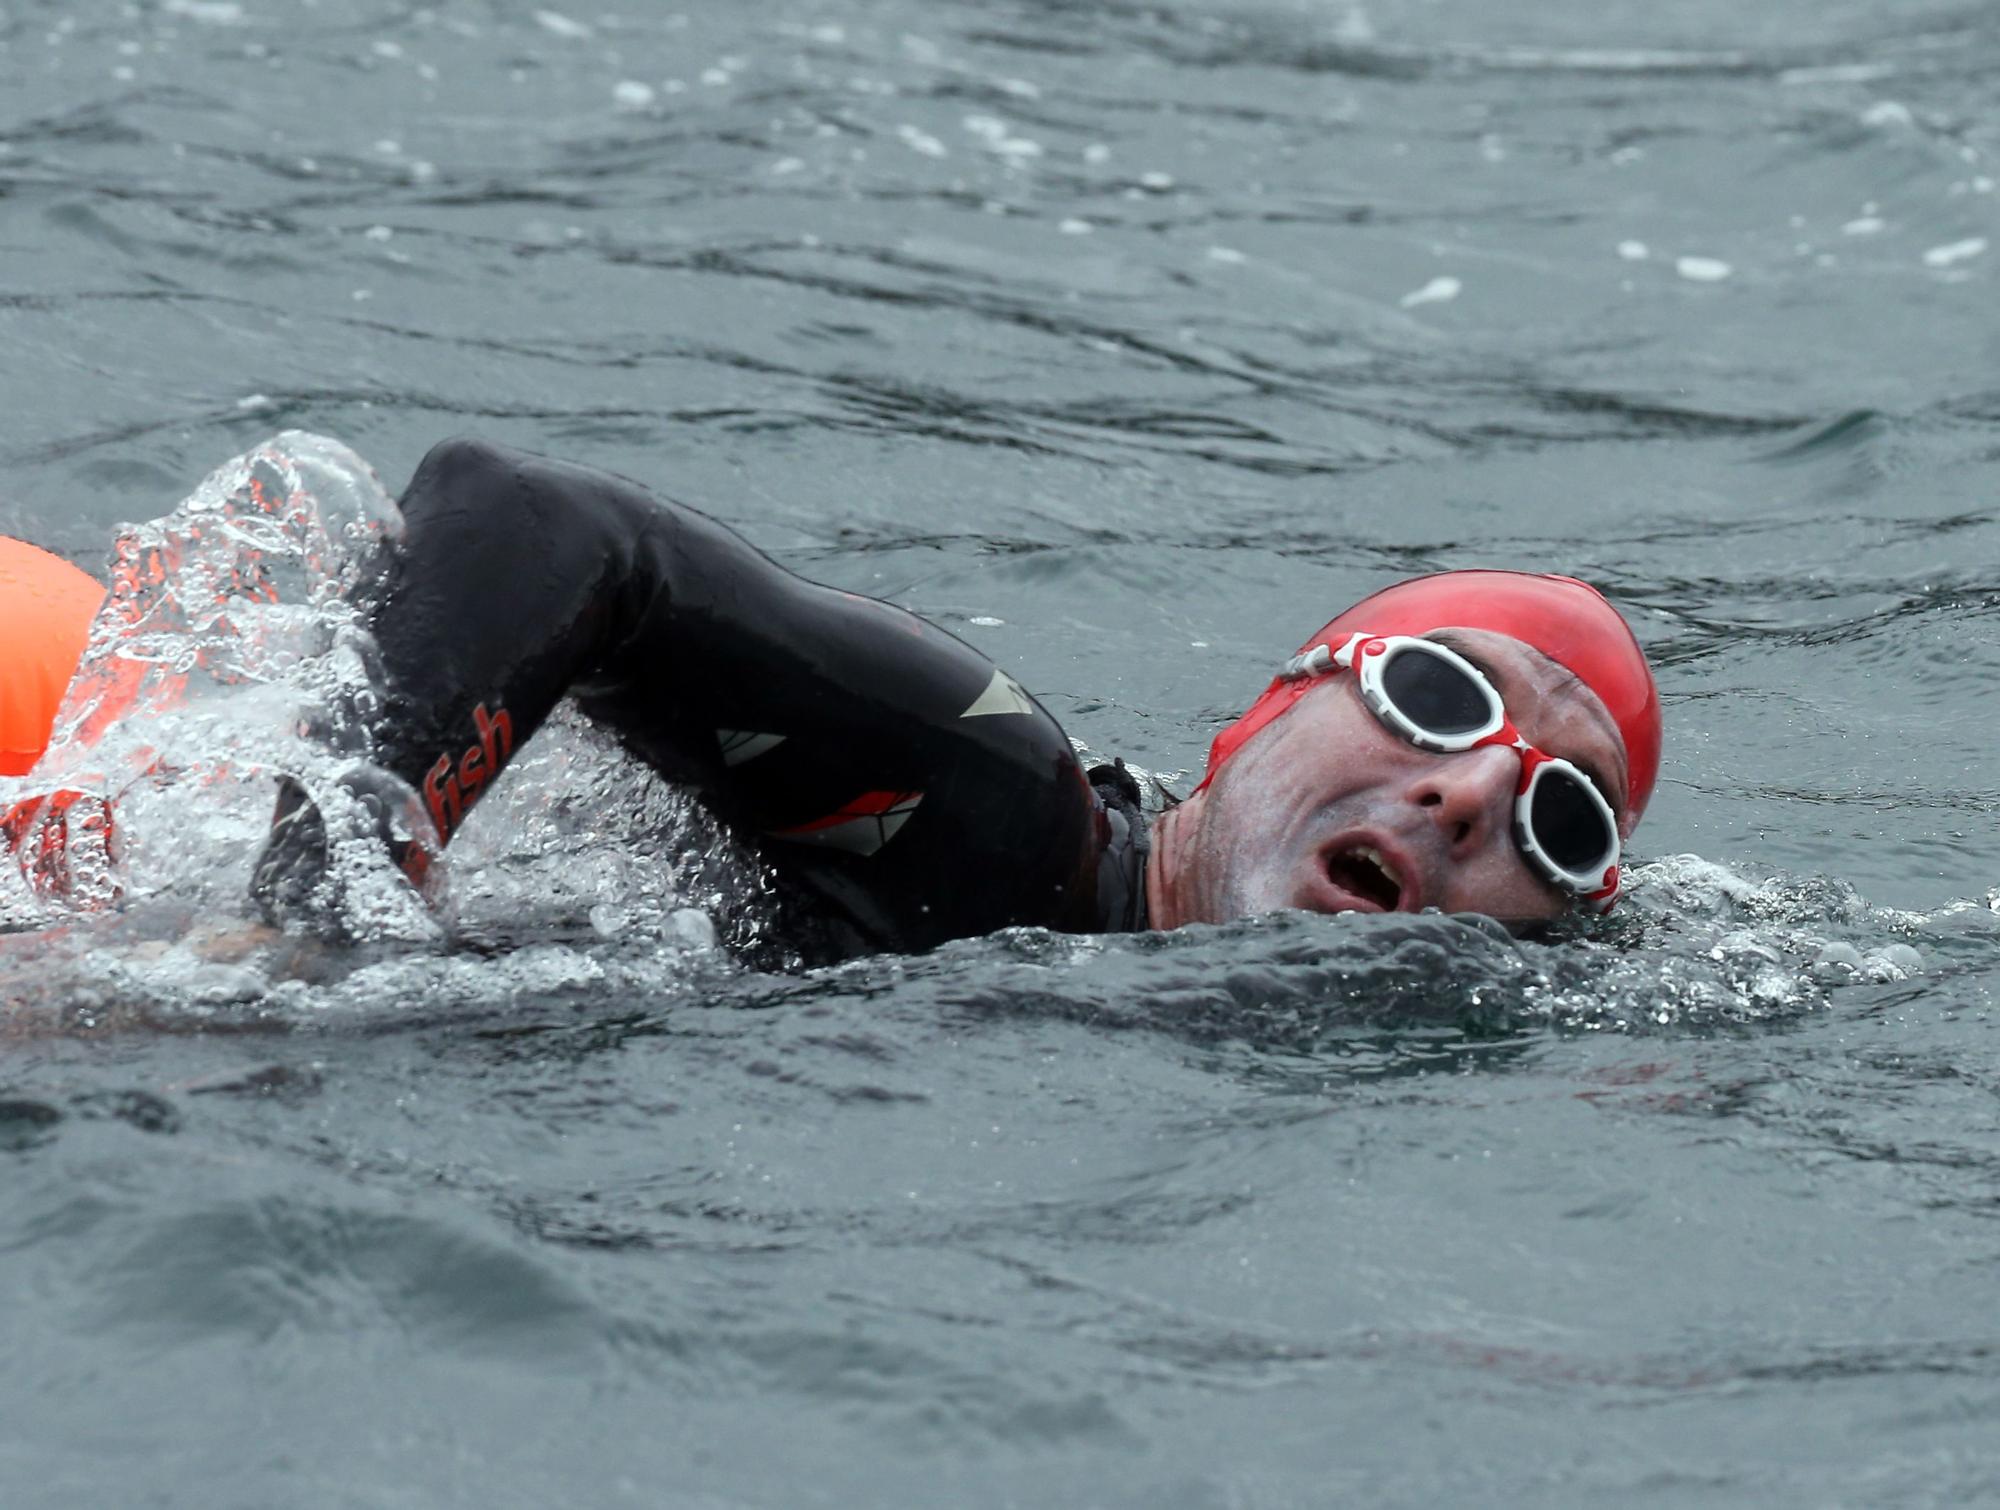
(463, 464)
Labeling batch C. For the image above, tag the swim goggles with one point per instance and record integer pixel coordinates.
(1436, 699)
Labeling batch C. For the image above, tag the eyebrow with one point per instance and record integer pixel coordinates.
(1613, 793)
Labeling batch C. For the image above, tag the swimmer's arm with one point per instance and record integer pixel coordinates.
(789, 706)
(514, 579)
(521, 580)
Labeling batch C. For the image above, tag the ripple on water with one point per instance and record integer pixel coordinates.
(285, 1265)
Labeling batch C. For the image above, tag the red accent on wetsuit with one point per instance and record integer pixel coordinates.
(867, 805)
(450, 788)
(861, 826)
(1568, 621)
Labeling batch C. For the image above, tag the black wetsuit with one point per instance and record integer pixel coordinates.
(903, 789)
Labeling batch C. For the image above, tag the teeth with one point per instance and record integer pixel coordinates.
(1374, 857)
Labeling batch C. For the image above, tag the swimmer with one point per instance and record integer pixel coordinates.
(1474, 741)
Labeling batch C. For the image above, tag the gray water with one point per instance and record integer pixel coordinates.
(1127, 341)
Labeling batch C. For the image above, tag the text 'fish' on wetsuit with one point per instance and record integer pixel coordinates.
(896, 781)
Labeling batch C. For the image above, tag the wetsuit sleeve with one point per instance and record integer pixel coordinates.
(881, 765)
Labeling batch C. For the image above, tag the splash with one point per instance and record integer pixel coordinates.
(230, 649)
(1698, 948)
(579, 841)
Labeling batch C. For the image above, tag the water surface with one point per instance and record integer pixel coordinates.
(1128, 342)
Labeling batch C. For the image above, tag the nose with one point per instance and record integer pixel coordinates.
(1469, 796)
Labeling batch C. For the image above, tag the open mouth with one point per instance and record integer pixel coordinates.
(1364, 871)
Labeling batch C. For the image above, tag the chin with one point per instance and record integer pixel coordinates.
(1257, 900)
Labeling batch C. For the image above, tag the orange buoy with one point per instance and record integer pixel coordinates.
(45, 610)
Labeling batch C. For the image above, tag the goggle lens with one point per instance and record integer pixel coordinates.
(1435, 694)
(1568, 824)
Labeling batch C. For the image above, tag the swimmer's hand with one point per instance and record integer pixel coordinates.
(273, 953)
(233, 942)
(292, 866)
(295, 878)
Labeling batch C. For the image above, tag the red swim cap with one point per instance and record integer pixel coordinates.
(45, 610)
(1568, 621)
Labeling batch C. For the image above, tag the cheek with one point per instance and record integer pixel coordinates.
(1258, 812)
(1501, 885)
(1241, 826)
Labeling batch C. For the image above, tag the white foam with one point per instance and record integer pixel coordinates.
(1703, 269)
(1955, 251)
(1355, 28)
(1887, 113)
(207, 12)
(996, 134)
(557, 24)
(1441, 290)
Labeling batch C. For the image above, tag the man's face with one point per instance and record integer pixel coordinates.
(1328, 810)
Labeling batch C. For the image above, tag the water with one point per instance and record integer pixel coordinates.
(1127, 342)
